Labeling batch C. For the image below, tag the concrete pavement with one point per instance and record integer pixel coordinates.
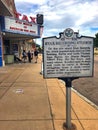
(29, 102)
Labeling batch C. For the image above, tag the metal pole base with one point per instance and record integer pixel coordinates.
(73, 127)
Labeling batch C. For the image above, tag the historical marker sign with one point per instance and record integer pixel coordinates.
(70, 56)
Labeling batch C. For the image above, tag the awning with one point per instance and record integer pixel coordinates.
(14, 36)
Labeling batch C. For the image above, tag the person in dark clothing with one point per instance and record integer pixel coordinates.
(29, 56)
(36, 55)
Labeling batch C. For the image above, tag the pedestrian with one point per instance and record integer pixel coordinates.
(24, 55)
(36, 55)
(29, 56)
(32, 54)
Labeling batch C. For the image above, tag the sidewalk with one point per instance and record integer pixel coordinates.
(29, 102)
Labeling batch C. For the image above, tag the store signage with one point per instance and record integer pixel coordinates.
(20, 26)
(68, 57)
(25, 17)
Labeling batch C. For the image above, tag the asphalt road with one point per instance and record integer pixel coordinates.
(88, 87)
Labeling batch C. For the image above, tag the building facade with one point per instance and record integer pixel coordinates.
(15, 32)
(7, 7)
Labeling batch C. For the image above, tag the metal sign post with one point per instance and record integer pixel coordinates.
(68, 82)
(68, 102)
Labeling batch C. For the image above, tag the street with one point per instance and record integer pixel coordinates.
(88, 87)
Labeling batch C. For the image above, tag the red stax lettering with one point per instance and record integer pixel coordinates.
(17, 15)
(24, 17)
(33, 19)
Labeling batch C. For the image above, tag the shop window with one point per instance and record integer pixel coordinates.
(6, 47)
(15, 49)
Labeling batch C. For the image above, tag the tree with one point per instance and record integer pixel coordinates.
(96, 40)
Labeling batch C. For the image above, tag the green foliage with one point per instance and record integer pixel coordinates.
(96, 40)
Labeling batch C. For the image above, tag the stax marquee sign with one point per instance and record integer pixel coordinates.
(22, 24)
(25, 17)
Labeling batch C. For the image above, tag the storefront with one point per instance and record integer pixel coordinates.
(14, 34)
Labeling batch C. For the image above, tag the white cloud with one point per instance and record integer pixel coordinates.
(58, 15)
(31, 1)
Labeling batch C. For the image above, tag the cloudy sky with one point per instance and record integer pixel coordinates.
(79, 15)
